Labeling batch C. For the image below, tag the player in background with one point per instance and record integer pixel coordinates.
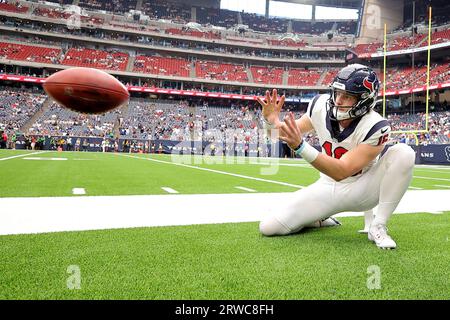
(353, 176)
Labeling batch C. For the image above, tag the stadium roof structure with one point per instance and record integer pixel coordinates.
(349, 4)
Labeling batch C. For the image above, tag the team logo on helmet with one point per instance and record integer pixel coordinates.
(369, 82)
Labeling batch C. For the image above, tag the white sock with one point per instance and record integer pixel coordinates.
(395, 182)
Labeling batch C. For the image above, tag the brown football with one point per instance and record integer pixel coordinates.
(86, 90)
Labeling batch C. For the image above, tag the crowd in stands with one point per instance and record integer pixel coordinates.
(421, 13)
(180, 121)
(398, 78)
(157, 42)
(58, 121)
(409, 77)
(91, 58)
(402, 42)
(115, 6)
(181, 13)
(438, 128)
(184, 120)
(17, 107)
(155, 121)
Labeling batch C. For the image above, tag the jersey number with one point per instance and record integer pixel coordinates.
(382, 139)
(338, 152)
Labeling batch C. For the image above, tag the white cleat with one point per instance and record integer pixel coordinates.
(328, 222)
(378, 234)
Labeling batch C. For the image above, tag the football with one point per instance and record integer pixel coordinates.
(86, 90)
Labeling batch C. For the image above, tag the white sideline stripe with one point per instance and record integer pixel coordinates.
(440, 185)
(432, 170)
(23, 155)
(415, 188)
(82, 213)
(49, 159)
(442, 179)
(432, 167)
(216, 171)
(78, 191)
(303, 165)
(245, 189)
(169, 190)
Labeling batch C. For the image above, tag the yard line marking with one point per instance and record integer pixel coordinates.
(23, 155)
(78, 191)
(442, 179)
(169, 190)
(440, 185)
(245, 189)
(216, 171)
(415, 188)
(49, 159)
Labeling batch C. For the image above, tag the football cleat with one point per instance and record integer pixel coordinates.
(328, 222)
(378, 234)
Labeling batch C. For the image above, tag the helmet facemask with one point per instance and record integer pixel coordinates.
(364, 102)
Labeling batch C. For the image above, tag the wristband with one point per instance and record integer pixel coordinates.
(300, 148)
(307, 152)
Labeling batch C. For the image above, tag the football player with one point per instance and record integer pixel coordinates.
(353, 174)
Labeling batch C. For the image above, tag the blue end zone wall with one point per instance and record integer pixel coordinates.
(433, 154)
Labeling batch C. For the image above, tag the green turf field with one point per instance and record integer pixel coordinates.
(110, 174)
(219, 261)
(230, 261)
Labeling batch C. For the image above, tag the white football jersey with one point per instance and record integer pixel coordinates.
(370, 129)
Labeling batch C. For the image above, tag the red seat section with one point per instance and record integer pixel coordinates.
(194, 33)
(329, 77)
(221, 71)
(161, 65)
(13, 7)
(24, 52)
(268, 75)
(303, 77)
(286, 43)
(109, 60)
(368, 48)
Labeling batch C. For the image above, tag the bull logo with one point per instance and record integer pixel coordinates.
(369, 84)
(447, 153)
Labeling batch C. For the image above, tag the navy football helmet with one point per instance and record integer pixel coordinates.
(360, 81)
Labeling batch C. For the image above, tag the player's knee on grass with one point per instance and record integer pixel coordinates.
(272, 227)
(402, 156)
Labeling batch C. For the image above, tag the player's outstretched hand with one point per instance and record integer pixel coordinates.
(270, 107)
(289, 132)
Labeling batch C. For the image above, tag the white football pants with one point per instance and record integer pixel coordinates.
(384, 185)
